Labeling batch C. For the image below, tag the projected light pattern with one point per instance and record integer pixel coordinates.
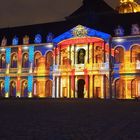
(81, 63)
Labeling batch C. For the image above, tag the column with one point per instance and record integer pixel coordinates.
(72, 55)
(76, 94)
(61, 87)
(72, 86)
(75, 56)
(102, 86)
(19, 59)
(86, 88)
(30, 86)
(91, 87)
(86, 56)
(104, 82)
(53, 88)
(8, 59)
(93, 60)
(7, 86)
(54, 56)
(104, 52)
(57, 88)
(68, 87)
(59, 55)
(31, 58)
(90, 53)
(18, 87)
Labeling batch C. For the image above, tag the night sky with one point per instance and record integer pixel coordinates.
(27, 12)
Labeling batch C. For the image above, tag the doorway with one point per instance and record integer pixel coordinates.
(80, 86)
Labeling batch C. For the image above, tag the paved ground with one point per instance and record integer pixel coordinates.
(63, 119)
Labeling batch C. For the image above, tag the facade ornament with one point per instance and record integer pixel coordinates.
(80, 31)
(38, 39)
(26, 40)
(4, 42)
(15, 41)
(135, 29)
(119, 31)
(49, 38)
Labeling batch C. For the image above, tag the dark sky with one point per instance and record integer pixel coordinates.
(26, 12)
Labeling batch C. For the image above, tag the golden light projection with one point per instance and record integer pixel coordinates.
(81, 63)
(128, 6)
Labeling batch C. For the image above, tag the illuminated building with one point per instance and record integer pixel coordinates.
(82, 62)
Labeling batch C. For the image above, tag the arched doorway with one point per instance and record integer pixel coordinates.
(80, 90)
(14, 60)
(49, 59)
(25, 60)
(117, 88)
(119, 55)
(24, 88)
(48, 88)
(12, 89)
(2, 61)
(120, 89)
(2, 90)
(81, 56)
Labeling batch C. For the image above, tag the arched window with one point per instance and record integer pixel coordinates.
(2, 61)
(119, 55)
(14, 60)
(135, 53)
(49, 59)
(99, 57)
(37, 56)
(81, 56)
(25, 60)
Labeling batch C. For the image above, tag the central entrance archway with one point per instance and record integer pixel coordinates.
(80, 86)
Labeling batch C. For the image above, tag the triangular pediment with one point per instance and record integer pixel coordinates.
(81, 31)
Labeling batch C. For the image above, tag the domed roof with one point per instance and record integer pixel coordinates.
(128, 6)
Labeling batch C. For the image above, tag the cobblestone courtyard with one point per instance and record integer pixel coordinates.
(74, 119)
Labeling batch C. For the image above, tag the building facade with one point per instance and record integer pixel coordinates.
(80, 63)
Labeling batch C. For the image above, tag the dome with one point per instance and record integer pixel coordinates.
(128, 6)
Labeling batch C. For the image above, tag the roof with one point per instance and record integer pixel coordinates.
(92, 7)
(90, 32)
(100, 18)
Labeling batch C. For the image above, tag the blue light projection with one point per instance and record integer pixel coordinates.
(91, 32)
(8, 54)
(31, 54)
(38, 39)
(15, 41)
(49, 38)
(30, 83)
(7, 84)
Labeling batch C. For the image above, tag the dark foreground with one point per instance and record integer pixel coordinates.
(51, 119)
